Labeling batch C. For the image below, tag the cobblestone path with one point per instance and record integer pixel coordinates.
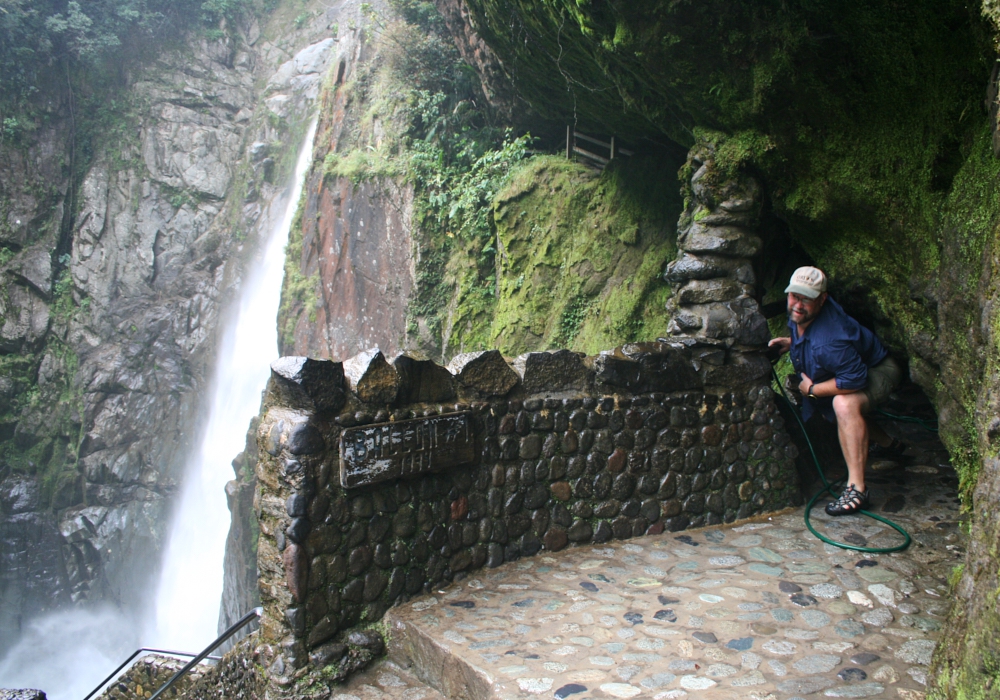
(762, 610)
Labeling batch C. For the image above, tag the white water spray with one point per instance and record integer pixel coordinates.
(67, 653)
(190, 589)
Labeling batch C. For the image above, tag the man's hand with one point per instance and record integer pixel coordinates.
(783, 344)
(805, 385)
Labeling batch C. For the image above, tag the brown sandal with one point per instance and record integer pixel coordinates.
(851, 501)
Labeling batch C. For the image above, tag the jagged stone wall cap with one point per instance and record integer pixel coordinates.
(485, 371)
(371, 377)
(306, 382)
(289, 367)
(422, 380)
(553, 371)
(808, 281)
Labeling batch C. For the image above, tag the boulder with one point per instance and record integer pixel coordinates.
(741, 368)
(721, 217)
(727, 241)
(645, 367)
(296, 571)
(34, 268)
(690, 267)
(707, 290)
(739, 320)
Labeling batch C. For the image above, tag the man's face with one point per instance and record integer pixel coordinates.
(802, 310)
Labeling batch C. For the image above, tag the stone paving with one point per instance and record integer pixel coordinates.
(762, 610)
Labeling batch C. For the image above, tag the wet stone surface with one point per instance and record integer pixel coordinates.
(385, 680)
(759, 610)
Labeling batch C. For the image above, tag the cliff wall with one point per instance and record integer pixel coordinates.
(116, 273)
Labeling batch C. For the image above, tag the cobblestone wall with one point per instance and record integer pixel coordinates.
(568, 450)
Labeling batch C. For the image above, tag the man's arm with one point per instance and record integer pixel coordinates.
(850, 373)
(827, 388)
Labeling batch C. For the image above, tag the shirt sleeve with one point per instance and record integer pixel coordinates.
(842, 360)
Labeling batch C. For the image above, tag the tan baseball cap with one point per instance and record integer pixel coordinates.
(807, 281)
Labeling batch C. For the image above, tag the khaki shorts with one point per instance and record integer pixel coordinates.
(882, 379)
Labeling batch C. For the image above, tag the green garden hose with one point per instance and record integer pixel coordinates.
(908, 419)
(830, 488)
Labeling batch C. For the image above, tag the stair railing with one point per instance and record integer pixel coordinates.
(236, 627)
(114, 674)
(195, 658)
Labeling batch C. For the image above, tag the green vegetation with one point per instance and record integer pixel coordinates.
(581, 255)
(420, 123)
(487, 278)
(36, 35)
(298, 291)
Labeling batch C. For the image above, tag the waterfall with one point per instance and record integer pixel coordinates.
(68, 652)
(190, 588)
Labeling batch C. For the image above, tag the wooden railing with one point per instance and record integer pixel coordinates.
(613, 151)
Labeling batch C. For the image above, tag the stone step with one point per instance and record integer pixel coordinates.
(758, 610)
(433, 659)
(385, 680)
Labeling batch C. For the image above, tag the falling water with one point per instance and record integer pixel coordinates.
(190, 590)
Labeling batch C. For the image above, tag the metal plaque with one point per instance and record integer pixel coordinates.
(373, 453)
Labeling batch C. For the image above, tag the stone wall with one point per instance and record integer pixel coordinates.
(566, 450)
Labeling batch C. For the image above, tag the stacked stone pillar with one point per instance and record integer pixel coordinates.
(713, 307)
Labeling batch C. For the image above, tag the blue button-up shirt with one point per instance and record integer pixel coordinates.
(834, 346)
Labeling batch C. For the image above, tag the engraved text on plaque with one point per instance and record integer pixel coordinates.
(373, 453)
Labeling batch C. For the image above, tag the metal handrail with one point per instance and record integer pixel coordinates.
(236, 627)
(126, 662)
(196, 658)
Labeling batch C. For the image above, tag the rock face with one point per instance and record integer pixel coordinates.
(110, 297)
(350, 268)
(357, 242)
(497, 87)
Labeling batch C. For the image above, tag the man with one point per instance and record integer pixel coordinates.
(846, 373)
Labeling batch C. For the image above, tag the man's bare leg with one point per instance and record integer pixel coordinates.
(852, 429)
